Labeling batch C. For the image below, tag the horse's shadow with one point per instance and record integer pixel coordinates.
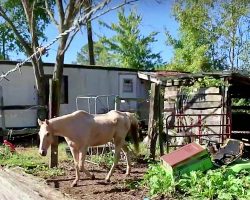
(113, 190)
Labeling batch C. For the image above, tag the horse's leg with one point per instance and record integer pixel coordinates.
(127, 154)
(116, 159)
(82, 156)
(75, 154)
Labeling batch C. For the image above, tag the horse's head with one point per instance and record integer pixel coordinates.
(46, 137)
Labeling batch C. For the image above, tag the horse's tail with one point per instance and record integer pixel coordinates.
(134, 128)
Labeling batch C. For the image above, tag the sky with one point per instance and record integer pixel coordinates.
(156, 16)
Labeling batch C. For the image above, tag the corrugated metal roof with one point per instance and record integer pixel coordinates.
(161, 77)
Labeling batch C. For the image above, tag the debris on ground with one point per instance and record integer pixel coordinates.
(17, 185)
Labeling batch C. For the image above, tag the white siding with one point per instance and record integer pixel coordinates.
(21, 90)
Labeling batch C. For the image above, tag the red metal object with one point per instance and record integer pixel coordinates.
(200, 124)
(10, 145)
(180, 155)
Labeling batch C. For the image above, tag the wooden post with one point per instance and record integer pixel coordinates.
(1, 109)
(160, 119)
(117, 103)
(53, 112)
(153, 113)
(3, 128)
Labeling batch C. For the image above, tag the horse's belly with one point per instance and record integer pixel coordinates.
(100, 140)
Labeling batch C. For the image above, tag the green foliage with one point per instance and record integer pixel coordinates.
(240, 102)
(30, 160)
(215, 184)
(233, 29)
(15, 12)
(5, 152)
(130, 48)
(204, 82)
(106, 159)
(158, 180)
(7, 41)
(213, 35)
(44, 171)
(191, 50)
(102, 56)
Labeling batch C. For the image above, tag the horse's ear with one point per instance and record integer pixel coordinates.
(40, 122)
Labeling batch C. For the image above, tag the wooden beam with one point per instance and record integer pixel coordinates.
(53, 112)
(153, 114)
(160, 120)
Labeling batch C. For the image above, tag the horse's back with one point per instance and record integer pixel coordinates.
(122, 119)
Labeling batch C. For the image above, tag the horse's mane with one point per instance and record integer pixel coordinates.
(134, 127)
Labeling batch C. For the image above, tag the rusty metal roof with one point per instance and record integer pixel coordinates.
(161, 77)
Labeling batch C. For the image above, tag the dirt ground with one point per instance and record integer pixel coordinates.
(120, 187)
(17, 185)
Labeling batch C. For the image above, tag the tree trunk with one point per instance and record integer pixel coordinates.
(90, 44)
(88, 6)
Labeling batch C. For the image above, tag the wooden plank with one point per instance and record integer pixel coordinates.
(153, 113)
(53, 110)
(160, 113)
(203, 105)
(17, 107)
(2, 114)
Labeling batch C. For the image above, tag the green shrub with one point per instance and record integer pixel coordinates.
(215, 184)
(158, 180)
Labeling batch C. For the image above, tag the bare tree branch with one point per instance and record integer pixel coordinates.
(51, 15)
(97, 16)
(61, 13)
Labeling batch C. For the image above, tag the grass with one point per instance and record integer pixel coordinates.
(31, 161)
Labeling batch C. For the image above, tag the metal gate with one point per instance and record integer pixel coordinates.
(95, 105)
(196, 128)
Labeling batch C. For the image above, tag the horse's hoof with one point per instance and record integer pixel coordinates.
(93, 177)
(74, 184)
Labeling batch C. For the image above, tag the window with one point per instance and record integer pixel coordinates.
(128, 85)
(64, 89)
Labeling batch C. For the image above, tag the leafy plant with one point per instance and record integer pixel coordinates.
(5, 152)
(45, 171)
(158, 180)
(215, 184)
(104, 159)
(204, 82)
(221, 184)
(31, 161)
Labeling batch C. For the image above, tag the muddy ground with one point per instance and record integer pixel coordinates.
(120, 187)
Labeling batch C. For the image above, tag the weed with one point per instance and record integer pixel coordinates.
(104, 159)
(5, 152)
(31, 161)
(219, 184)
(158, 180)
(215, 184)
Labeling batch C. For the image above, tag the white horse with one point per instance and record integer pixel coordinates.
(81, 130)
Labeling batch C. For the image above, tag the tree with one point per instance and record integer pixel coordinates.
(102, 56)
(7, 42)
(213, 35)
(234, 30)
(27, 21)
(128, 45)
(88, 7)
(191, 51)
